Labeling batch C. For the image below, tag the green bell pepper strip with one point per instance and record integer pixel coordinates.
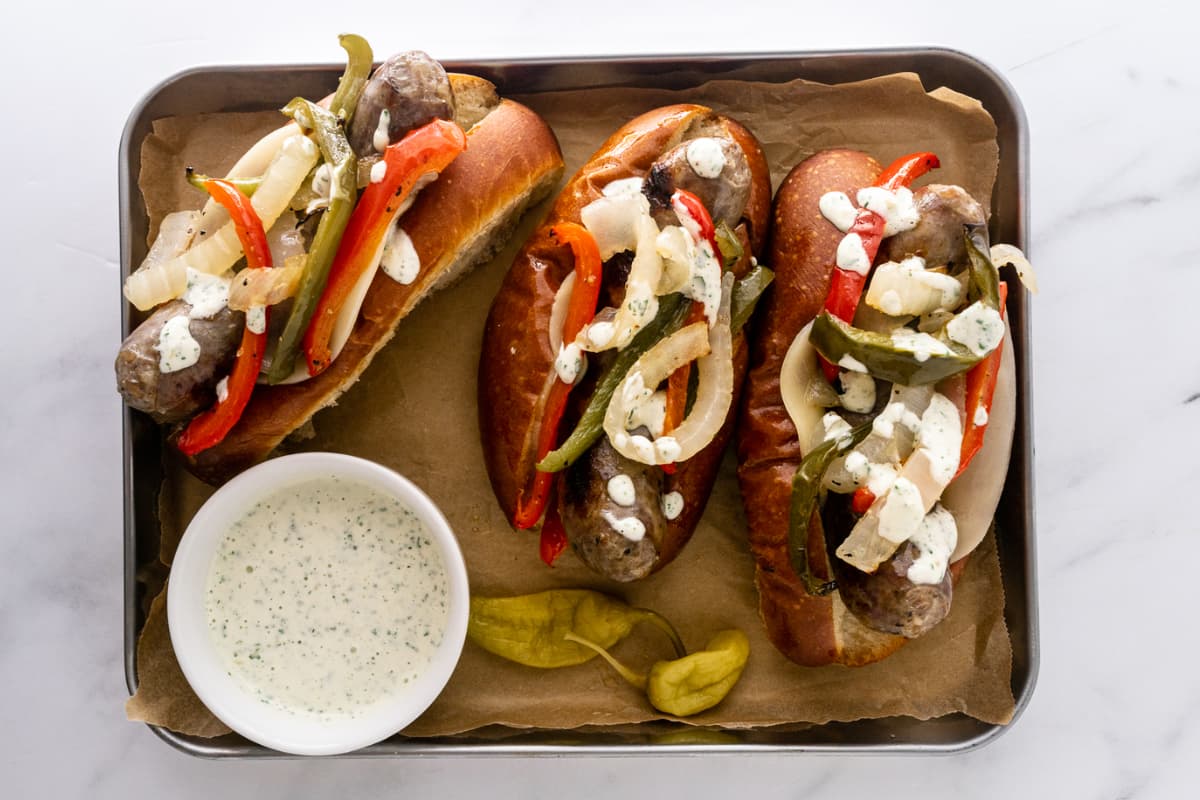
(543, 630)
(728, 245)
(331, 138)
(692, 683)
(745, 295)
(806, 488)
(985, 278)
(359, 60)
(672, 310)
(246, 186)
(883, 357)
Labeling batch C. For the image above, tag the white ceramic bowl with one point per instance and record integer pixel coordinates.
(223, 695)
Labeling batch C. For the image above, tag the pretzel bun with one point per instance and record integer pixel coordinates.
(809, 629)
(516, 370)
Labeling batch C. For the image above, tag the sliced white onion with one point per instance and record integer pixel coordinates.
(221, 250)
(558, 311)
(267, 286)
(678, 253)
(614, 220)
(714, 391)
(806, 393)
(907, 288)
(1009, 254)
(175, 235)
(619, 223)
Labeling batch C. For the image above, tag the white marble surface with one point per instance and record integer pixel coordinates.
(1111, 95)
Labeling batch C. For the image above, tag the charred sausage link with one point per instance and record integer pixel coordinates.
(589, 511)
(173, 396)
(937, 237)
(885, 600)
(413, 88)
(725, 196)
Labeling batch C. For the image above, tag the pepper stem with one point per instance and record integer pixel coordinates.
(664, 625)
(625, 672)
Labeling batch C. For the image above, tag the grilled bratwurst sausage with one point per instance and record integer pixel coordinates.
(176, 395)
(412, 88)
(589, 504)
(937, 237)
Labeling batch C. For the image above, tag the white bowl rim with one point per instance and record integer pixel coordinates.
(188, 623)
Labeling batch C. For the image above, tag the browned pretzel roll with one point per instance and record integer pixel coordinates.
(673, 208)
(853, 438)
(453, 213)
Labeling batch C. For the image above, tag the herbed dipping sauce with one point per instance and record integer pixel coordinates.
(326, 597)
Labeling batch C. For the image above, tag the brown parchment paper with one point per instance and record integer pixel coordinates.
(414, 410)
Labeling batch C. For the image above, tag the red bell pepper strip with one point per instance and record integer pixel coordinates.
(531, 500)
(210, 427)
(430, 148)
(554, 536)
(981, 387)
(693, 207)
(862, 500)
(846, 286)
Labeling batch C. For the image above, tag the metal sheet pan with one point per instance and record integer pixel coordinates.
(232, 88)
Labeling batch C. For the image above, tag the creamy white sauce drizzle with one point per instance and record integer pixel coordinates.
(325, 598)
(621, 490)
(849, 362)
(631, 528)
(902, 511)
(706, 157)
(981, 416)
(379, 171)
(884, 424)
(650, 412)
(941, 436)
(858, 393)
(380, 139)
(837, 208)
(600, 334)
(223, 389)
(935, 538)
(177, 348)
(663, 450)
(322, 182)
(852, 256)
(569, 364)
(834, 426)
(704, 284)
(979, 328)
(400, 260)
(256, 319)
(921, 345)
(206, 294)
(896, 207)
(672, 505)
